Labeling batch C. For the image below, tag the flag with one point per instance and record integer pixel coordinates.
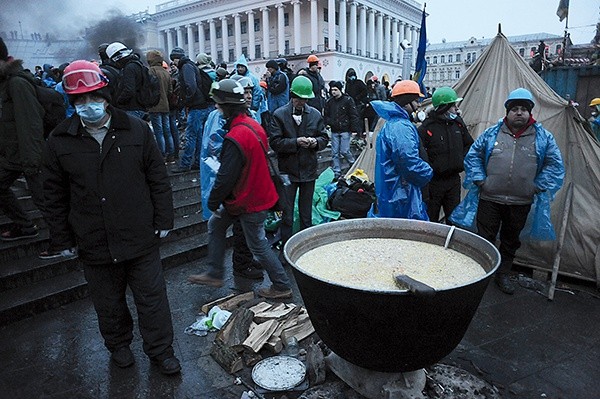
(563, 10)
(421, 63)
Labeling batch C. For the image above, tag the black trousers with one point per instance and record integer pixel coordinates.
(305, 198)
(443, 193)
(9, 204)
(510, 220)
(242, 257)
(144, 275)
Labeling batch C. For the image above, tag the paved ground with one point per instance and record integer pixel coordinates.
(525, 345)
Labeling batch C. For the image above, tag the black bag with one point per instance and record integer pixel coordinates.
(54, 107)
(149, 93)
(352, 200)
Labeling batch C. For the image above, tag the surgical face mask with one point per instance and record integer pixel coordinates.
(451, 115)
(91, 112)
(352, 77)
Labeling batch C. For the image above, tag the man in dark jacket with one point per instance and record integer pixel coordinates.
(106, 184)
(297, 134)
(446, 140)
(130, 79)
(195, 87)
(278, 87)
(341, 116)
(109, 69)
(313, 72)
(21, 142)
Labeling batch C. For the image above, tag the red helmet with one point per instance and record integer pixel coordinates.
(83, 77)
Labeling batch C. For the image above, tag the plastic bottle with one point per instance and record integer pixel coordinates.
(292, 348)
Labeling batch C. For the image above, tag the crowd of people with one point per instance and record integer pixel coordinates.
(101, 182)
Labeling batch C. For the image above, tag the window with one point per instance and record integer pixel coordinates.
(219, 55)
(442, 59)
(450, 58)
(231, 54)
(256, 25)
(326, 14)
(244, 27)
(435, 59)
(257, 53)
(326, 42)
(522, 52)
(219, 32)
(245, 51)
(207, 34)
(468, 57)
(428, 60)
(474, 56)
(286, 19)
(229, 29)
(287, 47)
(457, 57)
(457, 74)
(337, 18)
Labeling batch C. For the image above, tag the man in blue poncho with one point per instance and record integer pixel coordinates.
(400, 171)
(512, 168)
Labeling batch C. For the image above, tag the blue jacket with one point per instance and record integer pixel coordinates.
(278, 91)
(259, 101)
(548, 180)
(399, 171)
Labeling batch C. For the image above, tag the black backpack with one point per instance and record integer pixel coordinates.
(54, 107)
(352, 198)
(149, 93)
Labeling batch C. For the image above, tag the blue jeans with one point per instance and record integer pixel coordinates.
(254, 231)
(162, 132)
(174, 131)
(137, 113)
(340, 148)
(193, 134)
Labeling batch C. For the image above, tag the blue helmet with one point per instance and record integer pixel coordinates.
(520, 94)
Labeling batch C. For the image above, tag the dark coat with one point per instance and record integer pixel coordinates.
(446, 142)
(341, 114)
(299, 163)
(194, 87)
(112, 199)
(318, 85)
(21, 123)
(130, 83)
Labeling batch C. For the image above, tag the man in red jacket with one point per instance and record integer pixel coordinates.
(243, 189)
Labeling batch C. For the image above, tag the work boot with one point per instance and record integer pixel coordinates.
(504, 282)
(205, 279)
(168, 366)
(122, 357)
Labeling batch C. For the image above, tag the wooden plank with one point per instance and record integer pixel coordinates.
(291, 320)
(302, 330)
(260, 335)
(207, 306)
(278, 312)
(261, 307)
(226, 357)
(560, 241)
(274, 344)
(235, 331)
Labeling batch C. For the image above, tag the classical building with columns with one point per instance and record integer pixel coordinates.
(363, 35)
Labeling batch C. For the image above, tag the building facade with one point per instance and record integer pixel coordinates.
(363, 35)
(447, 62)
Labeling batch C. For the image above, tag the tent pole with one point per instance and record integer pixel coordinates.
(561, 239)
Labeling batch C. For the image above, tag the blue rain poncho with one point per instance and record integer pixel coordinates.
(259, 99)
(549, 179)
(399, 170)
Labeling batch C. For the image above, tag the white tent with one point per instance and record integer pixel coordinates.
(484, 87)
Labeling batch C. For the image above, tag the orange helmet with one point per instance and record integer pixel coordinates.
(406, 87)
(374, 78)
(263, 84)
(83, 77)
(312, 58)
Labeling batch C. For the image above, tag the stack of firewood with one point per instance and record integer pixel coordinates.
(255, 325)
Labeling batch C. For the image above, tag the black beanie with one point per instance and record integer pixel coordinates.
(3, 51)
(404, 99)
(336, 83)
(272, 64)
(522, 102)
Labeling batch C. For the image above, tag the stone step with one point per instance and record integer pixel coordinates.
(51, 292)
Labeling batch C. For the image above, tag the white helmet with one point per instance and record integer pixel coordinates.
(117, 50)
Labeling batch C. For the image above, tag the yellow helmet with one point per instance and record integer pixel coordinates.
(595, 101)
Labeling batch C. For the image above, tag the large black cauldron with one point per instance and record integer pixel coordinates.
(390, 331)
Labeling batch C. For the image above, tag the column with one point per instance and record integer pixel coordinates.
(379, 30)
(190, 38)
(201, 37)
(169, 41)
(179, 36)
(213, 39)
(343, 31)
(387, 41)
(251, 38)
(164, 35)
(297, 41)
(280, 29)
(225, 38)
(406, 57)
(314, 26)
(414, 34)
(266, 38)
(237, 31)
(395, 42)
(331, 24)
(371, 33)
(352, 40)
(362, 31)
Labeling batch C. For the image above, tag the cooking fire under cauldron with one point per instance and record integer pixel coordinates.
(392, 330)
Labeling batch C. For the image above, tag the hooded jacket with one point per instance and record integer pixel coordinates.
(194, 85)
(111, 198)
(259, 101)
(399, 170)
(318, 85)
(155, 61)
(21, 123)
(130, 83)
(278, 90)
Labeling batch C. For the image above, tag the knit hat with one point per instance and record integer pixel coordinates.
(337, 84)
(203, 59)
(3, 51)
(272, 64)
(177, 53)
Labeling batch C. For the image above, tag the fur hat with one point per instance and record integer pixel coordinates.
(177, 53)
(3, 51)
(272, 64)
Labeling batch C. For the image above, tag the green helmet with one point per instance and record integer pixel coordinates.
(444, 95)
(302, 87)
